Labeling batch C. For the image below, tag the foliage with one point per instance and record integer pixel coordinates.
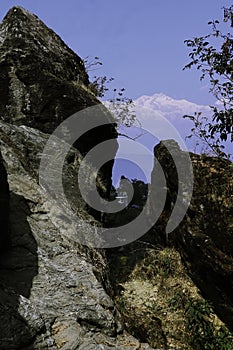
(212, 54)
(134, 208)
(154, 286)
(203, 333)
(201, 131)
(156, 265)
(121, 107)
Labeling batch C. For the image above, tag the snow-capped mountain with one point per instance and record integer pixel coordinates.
(170, 107)
(172, 110)
(162, 118)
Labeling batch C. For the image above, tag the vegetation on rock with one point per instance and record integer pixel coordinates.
(212, 54)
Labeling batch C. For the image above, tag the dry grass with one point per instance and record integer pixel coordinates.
(157, 293)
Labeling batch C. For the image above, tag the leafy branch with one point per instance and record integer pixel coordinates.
(119, 105)
(212, 54)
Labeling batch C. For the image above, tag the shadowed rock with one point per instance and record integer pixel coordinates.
(4, 208)
(43, 82)
(204, 237)
(53, 290)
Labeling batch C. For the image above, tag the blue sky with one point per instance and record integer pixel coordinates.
(141, 43)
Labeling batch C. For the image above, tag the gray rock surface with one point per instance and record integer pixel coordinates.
(204, 237)
(43, 82)
(54, 292)
(53, 289)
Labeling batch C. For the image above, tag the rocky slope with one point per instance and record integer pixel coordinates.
(43, 81)
(175, 289)
(53, 290)
(4, 206)
(204, 238)
(56, 293)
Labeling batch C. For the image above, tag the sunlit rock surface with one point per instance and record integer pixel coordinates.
(54, 292)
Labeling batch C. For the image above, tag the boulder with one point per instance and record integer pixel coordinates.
(54, 291)
(43, 82)
(204, 237)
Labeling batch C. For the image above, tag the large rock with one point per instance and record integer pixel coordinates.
(53, 290)
(153, 289)
(43, 82)
(204, 238)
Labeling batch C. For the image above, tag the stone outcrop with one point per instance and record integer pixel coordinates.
(175, 289)
(54, 291)
(43, 82)
(204, 238)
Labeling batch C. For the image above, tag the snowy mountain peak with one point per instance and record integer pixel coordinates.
(168, 105)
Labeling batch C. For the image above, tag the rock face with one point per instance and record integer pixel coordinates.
(55, 293)
(204, 238)
(4, 207)
(43, 81)
(175, 290)
(53, 290)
